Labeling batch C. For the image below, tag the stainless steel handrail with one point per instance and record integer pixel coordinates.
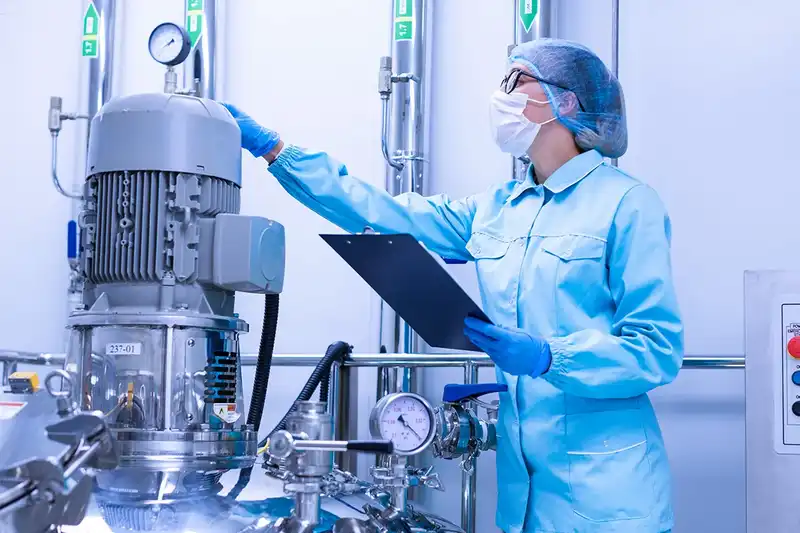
(435, 360)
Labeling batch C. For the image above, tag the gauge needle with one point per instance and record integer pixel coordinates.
(405, 424)
(169, 43)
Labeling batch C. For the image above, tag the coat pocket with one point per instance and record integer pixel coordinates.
(579, 269)
(610, 474)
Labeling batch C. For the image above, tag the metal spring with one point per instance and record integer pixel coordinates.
(220, 379)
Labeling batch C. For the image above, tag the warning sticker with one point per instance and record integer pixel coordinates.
(226, 412)
(10, 409)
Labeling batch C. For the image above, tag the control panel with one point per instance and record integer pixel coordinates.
(790, 380)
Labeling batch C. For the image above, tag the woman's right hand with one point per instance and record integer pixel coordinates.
(256, 139)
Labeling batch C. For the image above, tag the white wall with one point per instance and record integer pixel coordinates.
(35, 64)
(709, 87)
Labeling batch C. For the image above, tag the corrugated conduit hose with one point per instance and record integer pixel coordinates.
(266, 348)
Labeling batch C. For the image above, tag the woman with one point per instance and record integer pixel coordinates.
(574, 269)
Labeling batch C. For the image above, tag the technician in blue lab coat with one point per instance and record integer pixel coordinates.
(574, 270)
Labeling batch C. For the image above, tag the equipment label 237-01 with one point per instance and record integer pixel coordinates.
(124, 348)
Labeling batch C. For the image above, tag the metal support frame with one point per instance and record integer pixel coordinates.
(340, 396)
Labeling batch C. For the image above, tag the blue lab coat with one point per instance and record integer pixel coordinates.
(584, 262)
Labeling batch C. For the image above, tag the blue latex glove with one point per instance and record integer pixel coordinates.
(512, 350)
(256, 139)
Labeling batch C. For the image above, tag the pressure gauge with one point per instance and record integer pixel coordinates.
(404, 418)
(169, 44)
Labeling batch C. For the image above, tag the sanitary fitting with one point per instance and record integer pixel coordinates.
(460, 432)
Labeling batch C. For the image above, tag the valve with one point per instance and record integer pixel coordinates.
(460, 432)
(300, 456)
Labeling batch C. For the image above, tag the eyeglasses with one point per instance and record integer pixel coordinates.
(511, 80)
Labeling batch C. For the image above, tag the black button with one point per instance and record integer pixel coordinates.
(796, 408)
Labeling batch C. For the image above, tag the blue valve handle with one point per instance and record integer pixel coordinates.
(456, 392)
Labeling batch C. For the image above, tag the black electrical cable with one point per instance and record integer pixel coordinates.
(266, 348)
(324, 387)
(337, 351)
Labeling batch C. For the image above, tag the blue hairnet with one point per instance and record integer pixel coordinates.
(600, 124)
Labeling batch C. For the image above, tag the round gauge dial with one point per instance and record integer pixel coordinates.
(169, 44)
(405, 419)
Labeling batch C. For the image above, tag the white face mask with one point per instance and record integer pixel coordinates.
(511, 130)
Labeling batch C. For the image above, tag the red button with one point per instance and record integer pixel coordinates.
(794, 347)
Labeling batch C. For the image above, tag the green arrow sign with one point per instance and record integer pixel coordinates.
(90, 20)
(403, 20)
(527, 13)
(194, 20)
(91, 23)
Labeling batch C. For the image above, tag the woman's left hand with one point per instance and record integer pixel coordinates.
(512, 350)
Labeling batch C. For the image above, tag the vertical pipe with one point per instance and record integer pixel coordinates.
(409, 135)
(615, 47)
(340, 426)
(101, 68)
(526, 31)
(469, 481)
(346, 427)
(201, 68)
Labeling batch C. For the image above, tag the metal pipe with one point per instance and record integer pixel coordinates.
(101, 68)
(408, 142)
(527, 30)
(615, 37)
(469, 480)
(321, 445)
(32, 358)
(201, 68)
(384, 136)
(372, 360)
(54, 168)
(615, 48)
(532, 20)
(306, 508)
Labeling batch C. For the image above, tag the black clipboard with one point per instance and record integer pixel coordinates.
(413, 283)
